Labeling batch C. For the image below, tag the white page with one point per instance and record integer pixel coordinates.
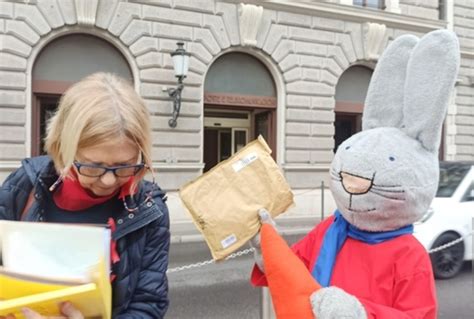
(54, 250)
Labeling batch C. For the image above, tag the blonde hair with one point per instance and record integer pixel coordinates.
(95, 110)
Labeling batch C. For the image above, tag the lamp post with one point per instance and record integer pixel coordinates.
(180, 63)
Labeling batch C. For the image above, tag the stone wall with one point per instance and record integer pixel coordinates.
(306, 48)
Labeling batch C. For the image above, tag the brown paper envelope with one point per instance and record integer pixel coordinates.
(225, 201)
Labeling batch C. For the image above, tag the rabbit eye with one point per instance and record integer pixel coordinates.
(348, 147)
(391, 158)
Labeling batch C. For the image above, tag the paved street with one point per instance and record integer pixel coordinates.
(222, 291)
(456, 295)
(213, 291)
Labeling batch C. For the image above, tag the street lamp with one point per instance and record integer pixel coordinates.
(180, 63)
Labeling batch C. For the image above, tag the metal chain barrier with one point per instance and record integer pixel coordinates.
(250, 250)
(447, 245)
(210, 261)
(231, 256)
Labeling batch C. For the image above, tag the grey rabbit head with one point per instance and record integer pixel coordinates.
(386, 176)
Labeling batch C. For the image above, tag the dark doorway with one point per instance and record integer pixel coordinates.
(346, 125)
(226, 131)
(218, 145)
(44, 108)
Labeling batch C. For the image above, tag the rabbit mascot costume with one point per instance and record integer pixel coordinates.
(383, 179)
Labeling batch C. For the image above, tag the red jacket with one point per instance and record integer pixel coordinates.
(393, 279)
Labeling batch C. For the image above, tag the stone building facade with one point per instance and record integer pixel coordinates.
(306, 48)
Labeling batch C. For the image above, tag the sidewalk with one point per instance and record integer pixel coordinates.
(186, 232)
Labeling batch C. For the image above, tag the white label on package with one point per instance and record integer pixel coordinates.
(243, 162)
(229, 240)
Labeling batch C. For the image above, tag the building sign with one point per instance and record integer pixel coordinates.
(240, 100)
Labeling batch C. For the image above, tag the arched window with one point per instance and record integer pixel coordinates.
(61, 63)
(239, 104)
(351, 90)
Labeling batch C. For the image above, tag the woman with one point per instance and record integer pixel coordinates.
(99, 149)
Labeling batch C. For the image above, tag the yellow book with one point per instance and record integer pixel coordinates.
(45, 264)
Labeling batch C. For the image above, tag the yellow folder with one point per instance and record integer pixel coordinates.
(90, 291)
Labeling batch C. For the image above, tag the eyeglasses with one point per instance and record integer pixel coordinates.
(91, 170)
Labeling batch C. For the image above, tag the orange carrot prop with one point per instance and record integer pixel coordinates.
(290, 283)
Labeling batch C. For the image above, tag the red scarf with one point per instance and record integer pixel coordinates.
(71, 196)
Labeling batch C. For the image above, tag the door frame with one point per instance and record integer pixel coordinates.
(37, 100)
(272, 131)
(43, 90)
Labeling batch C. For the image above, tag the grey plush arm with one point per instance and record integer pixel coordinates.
(335, 303)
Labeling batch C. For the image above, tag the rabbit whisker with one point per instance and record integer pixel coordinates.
(386, 196)
(361, 210)
(388, 191)
(386, 186)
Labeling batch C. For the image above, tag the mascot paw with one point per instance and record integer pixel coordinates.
(335, 303)
(265, 218)
(257, 251)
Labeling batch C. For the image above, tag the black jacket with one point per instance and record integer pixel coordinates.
(140, 289)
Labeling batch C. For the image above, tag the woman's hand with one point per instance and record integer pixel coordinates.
(68, 311)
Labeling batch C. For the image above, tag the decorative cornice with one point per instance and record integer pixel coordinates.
(373, 39)
(250, 17)
(349, 13)
(86, 11)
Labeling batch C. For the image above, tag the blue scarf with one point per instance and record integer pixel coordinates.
(335, 237)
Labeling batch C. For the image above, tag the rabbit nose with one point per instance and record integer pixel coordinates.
(355, 184)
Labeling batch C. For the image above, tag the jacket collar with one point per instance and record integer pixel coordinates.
(42, 174)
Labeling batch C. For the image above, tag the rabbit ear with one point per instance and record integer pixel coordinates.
(431, 74)
(384, 101)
